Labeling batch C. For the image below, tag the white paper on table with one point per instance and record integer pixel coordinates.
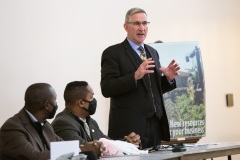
(120, 148)
(63, 147)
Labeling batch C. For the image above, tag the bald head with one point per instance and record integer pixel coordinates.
(37, 94)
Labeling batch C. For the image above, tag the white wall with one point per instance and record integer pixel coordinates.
(57, 41)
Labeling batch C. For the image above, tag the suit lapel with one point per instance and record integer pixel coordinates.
(131, 54)
(134, 58)
(47, 134)
(156, 62)
(155, 58)
(32, 131)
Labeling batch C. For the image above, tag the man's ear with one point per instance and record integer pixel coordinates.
(46, 105)
(125, 26)
(80, 102)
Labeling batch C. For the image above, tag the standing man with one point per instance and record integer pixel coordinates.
(131, 75)
(27, 135)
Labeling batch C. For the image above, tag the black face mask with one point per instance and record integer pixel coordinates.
(53, 112)
(92, 106)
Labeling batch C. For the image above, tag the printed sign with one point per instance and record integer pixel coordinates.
(185, 106)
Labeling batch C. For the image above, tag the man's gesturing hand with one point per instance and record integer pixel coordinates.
(144, 68)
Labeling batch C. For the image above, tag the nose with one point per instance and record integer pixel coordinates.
(141, 27)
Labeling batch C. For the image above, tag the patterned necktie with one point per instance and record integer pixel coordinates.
(142, 53)
(143, 57)
(86, 128)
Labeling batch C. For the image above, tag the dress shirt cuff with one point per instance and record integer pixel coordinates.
(171, 82)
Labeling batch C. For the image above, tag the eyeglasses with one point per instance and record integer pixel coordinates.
(137, 23)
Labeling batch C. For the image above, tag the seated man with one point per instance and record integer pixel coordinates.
(75, 123)
(27, 135)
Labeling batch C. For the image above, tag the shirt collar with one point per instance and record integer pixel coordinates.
(84, 120)
(32, 117)
(81, 119)
(133, 45)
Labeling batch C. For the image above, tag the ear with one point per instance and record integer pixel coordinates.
(46, 105)
(125, 25)
(80, 103)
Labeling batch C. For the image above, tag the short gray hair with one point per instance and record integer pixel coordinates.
(132, 11)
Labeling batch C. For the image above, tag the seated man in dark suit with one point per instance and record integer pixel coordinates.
(27, 135)
(75, 123)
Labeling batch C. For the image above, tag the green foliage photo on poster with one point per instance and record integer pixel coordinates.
(185, 106)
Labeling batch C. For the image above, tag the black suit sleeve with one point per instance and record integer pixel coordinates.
(113, 81)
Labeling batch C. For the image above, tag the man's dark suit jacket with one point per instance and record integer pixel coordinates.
(20, 140)
(69, 127)
(130, 103)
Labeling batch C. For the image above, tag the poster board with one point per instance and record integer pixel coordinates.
(185, 105)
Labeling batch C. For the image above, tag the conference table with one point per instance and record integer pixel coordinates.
(194, 152)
